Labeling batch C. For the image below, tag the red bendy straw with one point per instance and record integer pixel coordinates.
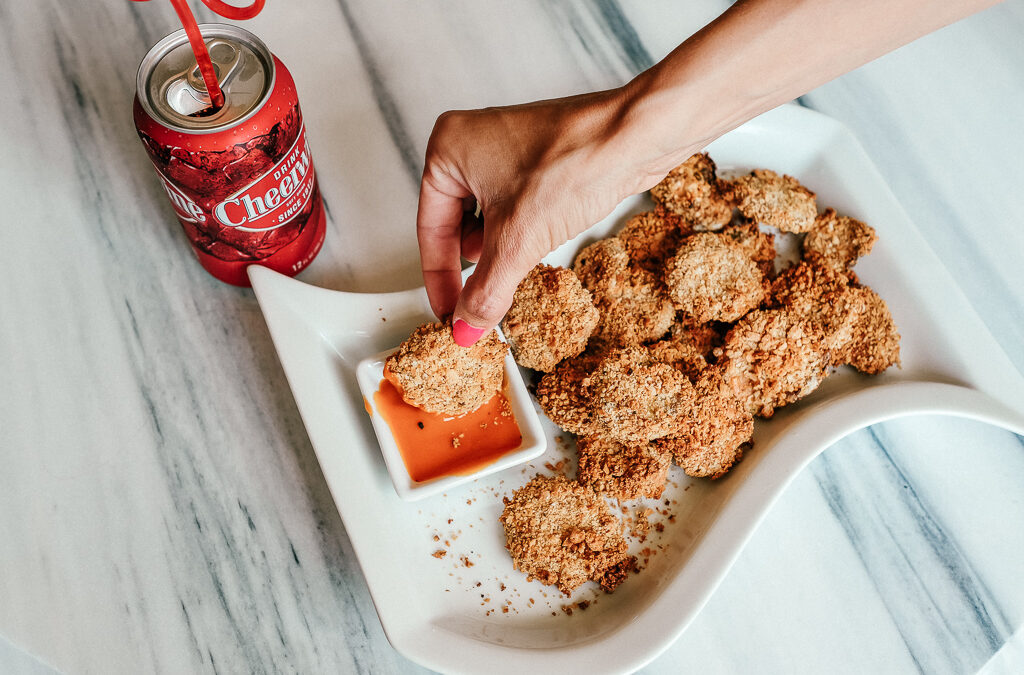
(195, 38)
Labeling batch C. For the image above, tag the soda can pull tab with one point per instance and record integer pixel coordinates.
(187, 95)
(225, 57)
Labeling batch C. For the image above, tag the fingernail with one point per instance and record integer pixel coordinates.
(466, 335)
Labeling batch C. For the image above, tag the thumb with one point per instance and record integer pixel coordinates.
(488, 292)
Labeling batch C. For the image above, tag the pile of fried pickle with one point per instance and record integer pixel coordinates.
(663, 343)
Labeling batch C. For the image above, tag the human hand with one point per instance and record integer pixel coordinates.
(541, 173)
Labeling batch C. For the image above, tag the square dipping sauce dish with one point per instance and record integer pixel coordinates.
(370, 375)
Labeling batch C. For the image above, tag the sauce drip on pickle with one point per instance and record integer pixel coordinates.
(433, 445)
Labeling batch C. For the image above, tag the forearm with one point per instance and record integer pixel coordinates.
(762, 53)
(543, 172)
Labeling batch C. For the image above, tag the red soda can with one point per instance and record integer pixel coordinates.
(240, 177)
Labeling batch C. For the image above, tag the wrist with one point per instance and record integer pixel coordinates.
(677, 108)
(631, 134)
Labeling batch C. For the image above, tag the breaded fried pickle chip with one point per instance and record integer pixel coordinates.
(874, 343)
(703, 336)
(717, 425)
(551, 318)
(634, 398)
(603, 267)
(856, 324)
(769, 198)
(759, 246)
(683, 355)
(693, 191)
(564, 534)
(652, 237)
(634, 307)
(712, 279)
(821, 297)
(437, 375)
(837, 241)
(622, 471)
(624, 394)
(561, 395)
(771, 358)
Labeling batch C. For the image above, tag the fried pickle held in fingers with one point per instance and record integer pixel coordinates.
(435, 374)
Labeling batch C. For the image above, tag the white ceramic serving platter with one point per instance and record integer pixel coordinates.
(370, 373)
(469, 611)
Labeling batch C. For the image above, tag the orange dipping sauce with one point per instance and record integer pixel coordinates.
(433, 445)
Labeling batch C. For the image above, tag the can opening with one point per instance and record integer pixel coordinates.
(187, 94)
(172, 88)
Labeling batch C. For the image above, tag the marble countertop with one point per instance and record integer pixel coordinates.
(161, 508)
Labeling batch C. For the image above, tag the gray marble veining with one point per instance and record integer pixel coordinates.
(926, 583)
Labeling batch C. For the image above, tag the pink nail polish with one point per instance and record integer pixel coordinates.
(466, 335)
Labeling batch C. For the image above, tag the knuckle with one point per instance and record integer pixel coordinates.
(447, 122)
(485, 308)
(485, 301)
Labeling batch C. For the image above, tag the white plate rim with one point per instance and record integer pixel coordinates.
(994, 395)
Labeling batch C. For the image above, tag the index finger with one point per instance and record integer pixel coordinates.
(439, 233)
